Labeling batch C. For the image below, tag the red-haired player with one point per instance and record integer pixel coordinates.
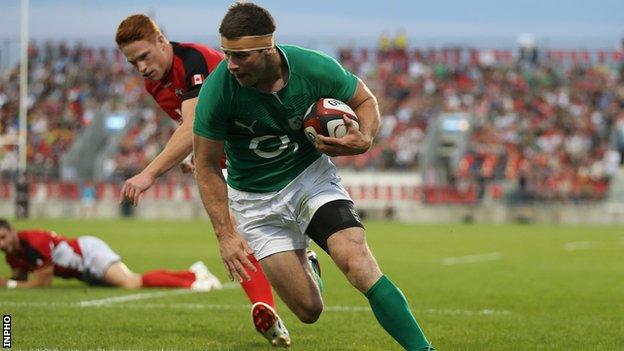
(174, 73)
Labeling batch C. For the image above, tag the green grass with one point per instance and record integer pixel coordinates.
(536, 296)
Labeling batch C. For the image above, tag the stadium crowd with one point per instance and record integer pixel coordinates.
(143, 141)
(550, 128)
(554, 130)
(67, 86)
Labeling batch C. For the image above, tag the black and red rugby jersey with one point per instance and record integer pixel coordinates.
(41, 248)
(191, 65)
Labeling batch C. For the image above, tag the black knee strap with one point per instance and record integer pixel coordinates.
(331, 218)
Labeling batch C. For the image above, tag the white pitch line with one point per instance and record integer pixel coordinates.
(203, 306)
(449, 261)
(578, 245)
(144, 296)
(133, 297)
(484, 312)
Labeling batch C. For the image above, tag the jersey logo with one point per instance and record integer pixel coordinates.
(285, 142)
(179, 92)
(248, 127)
(295, 123)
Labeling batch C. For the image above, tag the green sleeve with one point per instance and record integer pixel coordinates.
(333, 80)
(212, 112)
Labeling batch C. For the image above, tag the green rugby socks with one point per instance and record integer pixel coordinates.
(392, 311)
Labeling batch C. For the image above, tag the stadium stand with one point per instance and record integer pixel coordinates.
(544, 126)
(548, 126)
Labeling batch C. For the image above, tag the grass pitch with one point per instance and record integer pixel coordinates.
(471, 287)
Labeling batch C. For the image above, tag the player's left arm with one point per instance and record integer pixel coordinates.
(179, 146)
(19, 274)
(356, 141)
(41, 277)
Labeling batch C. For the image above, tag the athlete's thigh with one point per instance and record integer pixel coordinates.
(291, 277)
(118, 274)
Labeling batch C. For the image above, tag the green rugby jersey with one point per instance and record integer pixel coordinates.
(265, 144)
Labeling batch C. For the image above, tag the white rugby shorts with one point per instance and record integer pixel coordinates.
(276, 221)
(97, 258)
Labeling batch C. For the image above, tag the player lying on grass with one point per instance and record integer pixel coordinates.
(46, 254)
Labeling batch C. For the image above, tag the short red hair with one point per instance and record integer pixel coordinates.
(136, 27)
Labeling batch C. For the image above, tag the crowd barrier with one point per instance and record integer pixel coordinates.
(388, 197)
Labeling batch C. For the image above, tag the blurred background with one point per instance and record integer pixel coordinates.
(490, 112)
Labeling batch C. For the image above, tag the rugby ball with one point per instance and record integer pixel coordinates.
(325, 117)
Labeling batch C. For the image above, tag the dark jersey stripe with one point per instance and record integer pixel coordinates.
(193, 63)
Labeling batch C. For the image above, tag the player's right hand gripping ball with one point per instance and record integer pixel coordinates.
(325, 117)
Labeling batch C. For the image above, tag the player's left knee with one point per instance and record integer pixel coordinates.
(310, 316)
(308, 312)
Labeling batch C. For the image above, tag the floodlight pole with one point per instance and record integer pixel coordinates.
(23, 104)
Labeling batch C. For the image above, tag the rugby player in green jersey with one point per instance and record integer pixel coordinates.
(284, 190)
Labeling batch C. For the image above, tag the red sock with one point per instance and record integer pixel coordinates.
(258, 289)
(167, 279)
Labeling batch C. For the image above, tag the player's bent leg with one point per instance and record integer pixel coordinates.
(263, 312)
(349, 250)
(292, 279)
(118, 274)
(351, 254)
(258, 289)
